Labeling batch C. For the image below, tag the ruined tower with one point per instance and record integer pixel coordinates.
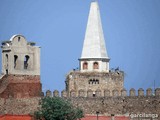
(94, 79)
(20, 75)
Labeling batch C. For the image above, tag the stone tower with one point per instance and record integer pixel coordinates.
(94, 79)
(20, 68)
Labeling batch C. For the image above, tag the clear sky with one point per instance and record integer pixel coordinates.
(131, 29)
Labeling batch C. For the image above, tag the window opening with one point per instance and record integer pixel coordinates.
(19, 39)
(85, 66)
(7, 57)
(95, 65)
(26, 62)
(15, 60)
(6, 71)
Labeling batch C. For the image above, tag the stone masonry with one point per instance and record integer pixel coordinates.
(95, 83)
(20, 86)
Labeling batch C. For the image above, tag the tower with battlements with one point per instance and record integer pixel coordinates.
(94, 79)
(20, 68)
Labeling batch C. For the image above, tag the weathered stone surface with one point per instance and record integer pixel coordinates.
(132, 92)
(119, 105)
(19, 106)
(64, 94)
(149, 92)
(94, 81)
(105, 105)
(48, 93)
(55, 93)
(140, 92)
(20, 86)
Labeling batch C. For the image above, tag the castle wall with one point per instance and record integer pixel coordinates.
(106, 106)
(123, 105)
(19, 106)
(20, 86)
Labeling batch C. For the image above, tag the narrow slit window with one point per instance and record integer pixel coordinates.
(6, 57)
(15, 60)
(19, 39)
(26, 62)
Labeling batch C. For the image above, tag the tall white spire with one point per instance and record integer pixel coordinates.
(94, 43)
(94, 55)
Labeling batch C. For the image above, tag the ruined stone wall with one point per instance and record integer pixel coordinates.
(94, 82)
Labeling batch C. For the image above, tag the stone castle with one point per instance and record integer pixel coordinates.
(94, 87)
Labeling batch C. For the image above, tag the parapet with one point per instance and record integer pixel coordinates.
(115, 93)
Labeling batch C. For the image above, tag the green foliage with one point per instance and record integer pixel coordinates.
(57, 108)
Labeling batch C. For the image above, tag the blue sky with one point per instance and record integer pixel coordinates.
(131, 29)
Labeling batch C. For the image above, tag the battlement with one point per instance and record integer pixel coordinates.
(115, 93)
(117, 104)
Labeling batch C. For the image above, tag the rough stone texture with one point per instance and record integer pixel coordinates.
(107, 106)
(19, 106)
(95, 83)
(20, 86)
(119, 105)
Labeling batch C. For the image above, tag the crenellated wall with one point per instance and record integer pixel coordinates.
(122, 105)
(81, 93)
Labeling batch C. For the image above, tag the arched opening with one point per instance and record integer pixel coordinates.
(6, 57)
(90, 81)
(15, 60)
(6, 71)
(93, 81)
(97, 81)
(26, 62)
(19, 38)
(85, 66)
(94, 94)
(95, 65)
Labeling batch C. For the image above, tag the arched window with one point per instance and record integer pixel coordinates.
(95, 65)
(97, 81)
(85, 66)
(26, 62)
(19, 38)
(6, 57)
(93, 81)
(15, 60)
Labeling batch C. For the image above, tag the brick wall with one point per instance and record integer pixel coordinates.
(20, 86)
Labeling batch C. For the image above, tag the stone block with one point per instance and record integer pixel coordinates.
(149, 92)
(140, 92)
(48, 93)
(55, 93)
(132, 92)
(81, 93)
